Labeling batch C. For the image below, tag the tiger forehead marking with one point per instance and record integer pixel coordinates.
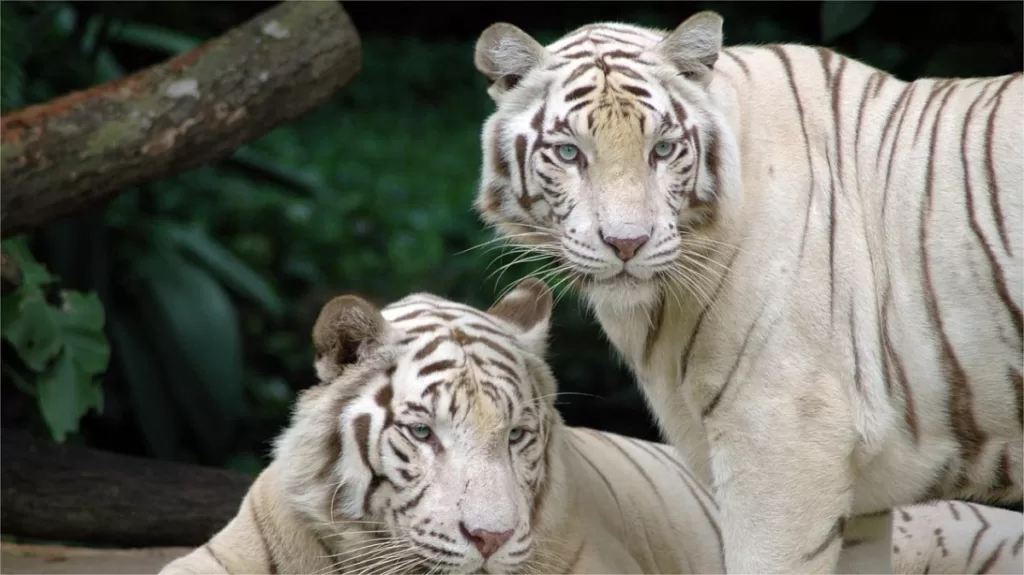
(603, 149)
(481, 379)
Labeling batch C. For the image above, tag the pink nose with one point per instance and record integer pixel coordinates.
(625, 248)
(488, 542)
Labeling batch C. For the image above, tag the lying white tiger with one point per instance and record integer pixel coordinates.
(433, 444)
(813, 268)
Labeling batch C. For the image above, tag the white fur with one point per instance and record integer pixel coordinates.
(803, 238)
(612, 504)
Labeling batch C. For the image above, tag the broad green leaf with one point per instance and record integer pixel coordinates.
(207, 426)
(228, 269)
(34, 331)
(32, 272)
(9, 305)
(840, 17)
(151, 406)
(81, 320)
(200, 319)
(65, 395)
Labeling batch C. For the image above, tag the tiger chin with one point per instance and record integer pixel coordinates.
(432, 444)
(812, 267)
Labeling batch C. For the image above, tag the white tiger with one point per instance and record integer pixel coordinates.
(432, 444)
(365, 480)
(812, 267)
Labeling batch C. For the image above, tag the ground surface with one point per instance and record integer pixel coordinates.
(21, 558)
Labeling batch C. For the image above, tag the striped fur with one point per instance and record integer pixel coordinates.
(351, 489)
(812, 267)
(604, 503)
(957, 537)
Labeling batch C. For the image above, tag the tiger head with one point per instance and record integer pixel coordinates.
(430, 428)
(606, 150)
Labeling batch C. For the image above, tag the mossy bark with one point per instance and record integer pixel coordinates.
(59, 157)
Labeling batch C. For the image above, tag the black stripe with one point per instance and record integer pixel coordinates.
(906, 97)
(685, 359)
(998, 277)
(993, 189)
(258, 519)
(710, 407)
(836, 533)
(979, 534)
(969, 436)
(693, 485)
(220, 563)
(780, 52)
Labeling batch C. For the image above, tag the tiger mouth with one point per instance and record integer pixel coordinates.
(622, 279)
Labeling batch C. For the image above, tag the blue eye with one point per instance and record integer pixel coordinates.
(515, 434)
(664, 149)
(568, 152)
(420, 432)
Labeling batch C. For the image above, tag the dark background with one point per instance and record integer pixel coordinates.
(370, 193)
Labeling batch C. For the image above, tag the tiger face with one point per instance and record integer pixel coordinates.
(433, 421)
(604, 150)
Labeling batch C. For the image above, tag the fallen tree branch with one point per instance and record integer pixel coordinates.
(83, 148)
(69, 493)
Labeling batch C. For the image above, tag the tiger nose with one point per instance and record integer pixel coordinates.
(625, 248)
(488, 542)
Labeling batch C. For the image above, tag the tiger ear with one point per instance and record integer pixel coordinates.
(348, 326)
(528, 307)
(694, 45)
(504, 54)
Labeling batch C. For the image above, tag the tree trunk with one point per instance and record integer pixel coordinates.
(83, 148)
(71, 493)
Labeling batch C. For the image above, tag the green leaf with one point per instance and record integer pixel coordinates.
(229, 269)
(209, 429)
(32, 272)
(200, 320)
(33, 330)
(81, 321)
(39, 332)
(65, 395)
(840, 17)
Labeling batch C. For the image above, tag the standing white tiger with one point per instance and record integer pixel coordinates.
(812, 267)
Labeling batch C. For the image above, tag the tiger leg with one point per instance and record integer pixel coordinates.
(200, 561)
(780, 459)
(958, 537)
(866, 547)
